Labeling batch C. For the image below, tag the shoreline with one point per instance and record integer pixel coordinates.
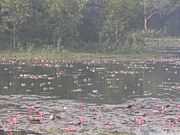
(68, 56)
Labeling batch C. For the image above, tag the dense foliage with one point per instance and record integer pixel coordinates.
(85, 24)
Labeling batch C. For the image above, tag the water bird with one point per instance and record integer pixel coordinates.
(42, 84)
(52, 116)
(94, 91)
(166, 69)
(28, 90)
(133, 92)
(34, 120)
(171, 122)
(169, 79)
(149, 82)
(81, 121)
(175, 72)
(85, 80)
(32, 84)
(37, 118)
(49, 83)
(51, 88)
(5, 69)
(5, 87)
(23, 84)
(51, 78)
(10, 84)
(71, 65)
(125, 87)
(129, 106)
(77, 90)
(45, 89)
(138, 84)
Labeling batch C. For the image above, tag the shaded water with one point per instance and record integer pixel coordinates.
(109, 95)
(113, 82)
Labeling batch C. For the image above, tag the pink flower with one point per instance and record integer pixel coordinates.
(31, 109)
(108, 125)
(40, 115)
(12, 121)
(9, 133)
(70, 129)
(140, 120)
(178, 106)
(178, 118)
(82, 120)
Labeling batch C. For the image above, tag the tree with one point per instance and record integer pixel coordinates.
(121, 18)
(16, 12)
(160, 7)
(65, 19)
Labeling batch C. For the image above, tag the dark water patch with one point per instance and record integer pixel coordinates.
(2, 132)
(106, 82)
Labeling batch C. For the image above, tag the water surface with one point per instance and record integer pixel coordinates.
(110, 95)
(111, 83)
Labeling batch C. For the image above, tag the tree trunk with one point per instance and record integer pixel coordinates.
(145, 24)
(59, 43)
(14, 36)
(147, 18)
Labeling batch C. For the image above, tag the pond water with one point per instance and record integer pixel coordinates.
(111, 83)
(115, 95)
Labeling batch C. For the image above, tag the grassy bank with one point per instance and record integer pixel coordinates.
(93, 132)
(73, 56)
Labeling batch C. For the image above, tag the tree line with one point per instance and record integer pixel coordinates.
(101, 25)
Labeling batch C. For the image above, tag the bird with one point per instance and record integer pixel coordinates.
(35, 116)
(34, 119)
(52, 117)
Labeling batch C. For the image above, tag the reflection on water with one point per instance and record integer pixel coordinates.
(112, 82)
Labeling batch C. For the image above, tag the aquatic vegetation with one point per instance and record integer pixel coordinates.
(102, 97)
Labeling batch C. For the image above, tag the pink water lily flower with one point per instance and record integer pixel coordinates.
(140, 120)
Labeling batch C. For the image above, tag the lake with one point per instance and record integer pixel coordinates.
(89, 89)
(110, 83)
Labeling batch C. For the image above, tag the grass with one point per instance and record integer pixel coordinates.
(73, 56)
(93, 132)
